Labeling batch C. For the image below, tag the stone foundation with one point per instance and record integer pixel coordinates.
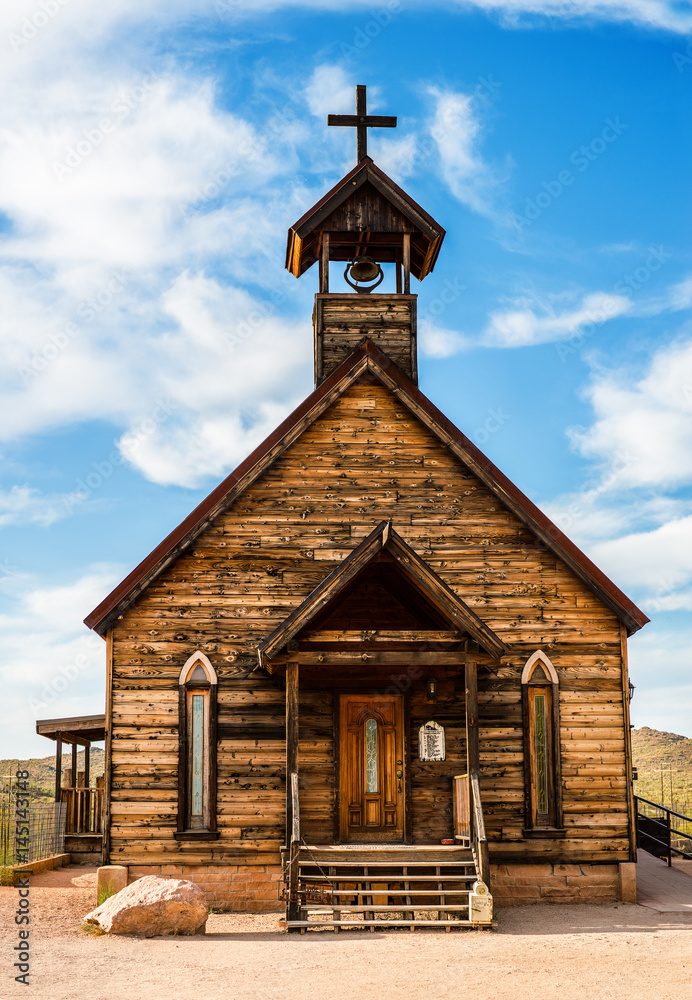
(514, 884)
(238, 888)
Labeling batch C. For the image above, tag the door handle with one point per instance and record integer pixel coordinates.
(399, 775)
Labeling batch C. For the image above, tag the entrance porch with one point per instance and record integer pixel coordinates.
(384, 820)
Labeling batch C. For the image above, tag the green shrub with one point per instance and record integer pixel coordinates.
(105, 892)
(8, 876)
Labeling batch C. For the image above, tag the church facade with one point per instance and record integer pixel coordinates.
(367, 678)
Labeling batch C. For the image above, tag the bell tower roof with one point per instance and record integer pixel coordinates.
(365, 213)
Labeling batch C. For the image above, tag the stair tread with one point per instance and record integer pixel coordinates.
(400, 892)
(387, 878)
(382, 923)
(364, 908)
(384, 864)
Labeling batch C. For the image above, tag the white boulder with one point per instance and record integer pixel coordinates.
(152, 906)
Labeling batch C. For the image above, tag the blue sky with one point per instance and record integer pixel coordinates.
(153, 157)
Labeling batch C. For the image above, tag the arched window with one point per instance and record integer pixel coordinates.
(197, 750)
(542, 778)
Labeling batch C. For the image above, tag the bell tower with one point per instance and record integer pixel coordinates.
(365, 221)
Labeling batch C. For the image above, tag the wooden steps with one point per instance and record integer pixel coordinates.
(375, 887)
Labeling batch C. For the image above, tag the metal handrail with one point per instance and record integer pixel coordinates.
(668, 849)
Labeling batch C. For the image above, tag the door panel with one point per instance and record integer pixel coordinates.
(371, 794)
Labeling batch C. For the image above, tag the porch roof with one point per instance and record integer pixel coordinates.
(434, 591)
(79, 729)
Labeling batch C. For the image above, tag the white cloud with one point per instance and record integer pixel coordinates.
(657, 561)
(225, 373)
(99, 318)
(635, 518)
(642, 434)
(26, 505)
(52, 666)
(524, 326)
(436, 342)
(456, 132)
(331, 91)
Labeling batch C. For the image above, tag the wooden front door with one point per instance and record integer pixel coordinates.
(371, 792)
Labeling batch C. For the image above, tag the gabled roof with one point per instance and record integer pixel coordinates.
(382, 210)
(366, 359)
(434, 590)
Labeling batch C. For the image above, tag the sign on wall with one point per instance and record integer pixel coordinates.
(431, 742)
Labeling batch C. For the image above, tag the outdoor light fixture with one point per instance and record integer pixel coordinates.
(361, 269)
(432, 689)
(631, 687)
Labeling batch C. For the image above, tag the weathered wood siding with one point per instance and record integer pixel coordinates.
(341, 322)
(366, 459)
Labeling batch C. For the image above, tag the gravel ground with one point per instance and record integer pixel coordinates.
(556, 952)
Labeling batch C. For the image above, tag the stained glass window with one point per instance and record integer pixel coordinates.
(541, 749)
(197, 755)
(371, 782)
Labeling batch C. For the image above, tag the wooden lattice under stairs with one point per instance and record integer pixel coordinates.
(363, 886)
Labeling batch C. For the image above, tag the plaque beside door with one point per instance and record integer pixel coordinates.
(431, 742)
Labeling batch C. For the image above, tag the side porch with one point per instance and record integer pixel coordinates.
(79, 791)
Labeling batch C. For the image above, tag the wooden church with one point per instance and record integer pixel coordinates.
(367, 679)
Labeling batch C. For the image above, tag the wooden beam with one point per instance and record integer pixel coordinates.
(383, 636)
(377, 658)
(324, 263)
(73, 764)
(631, 813)
(58, 766)
(75, 740)
(292, 820)
(87, 765)
(472, 744)
(292, 716)
(406, 254)
(108, 765)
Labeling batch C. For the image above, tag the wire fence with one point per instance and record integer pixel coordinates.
(46, 822)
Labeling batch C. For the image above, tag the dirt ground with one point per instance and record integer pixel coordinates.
(556, 952)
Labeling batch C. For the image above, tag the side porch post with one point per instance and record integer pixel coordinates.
(472, 748)
(292, 816)
(58, 766)
(478, 838)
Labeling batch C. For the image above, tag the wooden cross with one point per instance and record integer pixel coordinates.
(362, 121)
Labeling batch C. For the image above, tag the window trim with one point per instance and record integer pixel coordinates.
(548, 824)
(187, 689)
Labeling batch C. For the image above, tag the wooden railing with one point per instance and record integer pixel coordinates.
(84, 810)
(462, 809)
(293, 837)
(655, 833)
(479, 841)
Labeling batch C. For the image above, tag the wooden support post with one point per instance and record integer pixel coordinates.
(74, 765)
(406, 248)
(87, 765)
(324, 263)
(58, 766)
(398, 278)
(472, 748)
(631, 808)
(293, 846)
(291, 739)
